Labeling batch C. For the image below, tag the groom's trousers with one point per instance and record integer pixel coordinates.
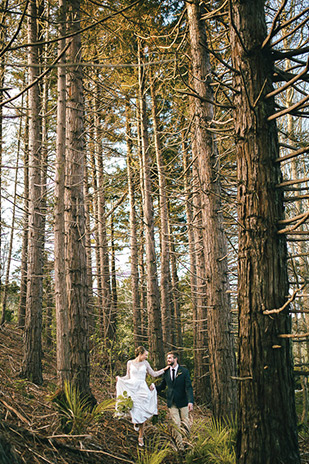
(180, 416)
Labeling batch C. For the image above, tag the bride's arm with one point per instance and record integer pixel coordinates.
(153, 373)
(127, 376)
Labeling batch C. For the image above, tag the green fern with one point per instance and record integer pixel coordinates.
(213, 443)
(155, 453)
(75, 410)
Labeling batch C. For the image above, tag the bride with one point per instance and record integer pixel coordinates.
(134, 384)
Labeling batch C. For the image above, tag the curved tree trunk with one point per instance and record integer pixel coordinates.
(266, 416)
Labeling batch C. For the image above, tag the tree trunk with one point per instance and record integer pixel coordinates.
(59, 227)
(266, 415)
(176, 335)
(76, 259)
(9, 258)
(153, 296)
(114, 296)
(94, 183)
(109, 323)
(32, 362)
(164, 232)
(91, 311)
(133, 233)
(220, 339)
(25, 234)
(191, 240)
(200, 326)
(3, 6)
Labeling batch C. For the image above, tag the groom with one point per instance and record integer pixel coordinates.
(179, 394)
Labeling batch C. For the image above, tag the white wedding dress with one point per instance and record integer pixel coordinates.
(134, 383)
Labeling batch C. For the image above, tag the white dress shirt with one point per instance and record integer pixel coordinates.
(175, 369)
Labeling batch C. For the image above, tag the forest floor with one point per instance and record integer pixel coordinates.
(30, 421)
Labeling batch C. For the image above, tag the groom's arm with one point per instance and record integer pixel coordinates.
(188, 387)
(161, 386)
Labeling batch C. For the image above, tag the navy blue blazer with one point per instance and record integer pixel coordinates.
(180, 391)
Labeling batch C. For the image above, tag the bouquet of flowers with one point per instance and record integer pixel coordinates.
(124, 404)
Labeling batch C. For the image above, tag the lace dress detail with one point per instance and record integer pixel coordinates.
(134, 383)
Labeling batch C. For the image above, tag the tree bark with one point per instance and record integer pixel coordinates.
(133, 233)
(91, 313)
(189, 195)
(164, 232)
(108, 317)
(176, 331)
(220, 339)
(59, 226)
(25, 234)
(153, 296)
(32, 362)
(266, 415)
(76, 259)
(94, 183)
(9, 258)
(114, 295)
(200, 315)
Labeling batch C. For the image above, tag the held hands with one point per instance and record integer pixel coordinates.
(151, 387)
(166, 368)
(190, 407)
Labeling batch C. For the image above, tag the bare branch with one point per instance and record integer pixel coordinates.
(290, 54)
(290, 32)
(292, 229)
(288, 110)
(292, 182)
(293, 155)
(292, 297)
(80, 31)
(37, 79)
(273, 31)
(304, 335)
(17, 30)
(290, 220)
(296, 198)
(281, 75)
(289, 83)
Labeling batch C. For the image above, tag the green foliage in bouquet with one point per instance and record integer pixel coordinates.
(124, 404)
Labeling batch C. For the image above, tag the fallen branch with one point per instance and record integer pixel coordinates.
(107, 454)
(20, 416)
